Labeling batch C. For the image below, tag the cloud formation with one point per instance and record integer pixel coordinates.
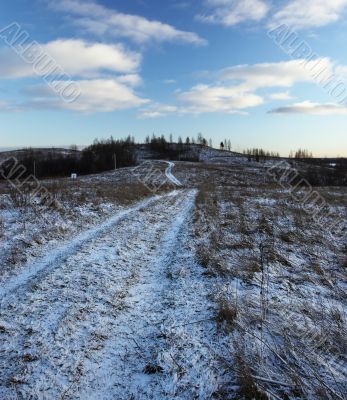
(280, 74)
(76, 57)
(157, 110)
(236, 89)
(298, 14)
(310, 108)
(212, 98)
(280, 96)
(106, 76)
(97, 95)
(302, 14)
(234, 12)
(99, 20)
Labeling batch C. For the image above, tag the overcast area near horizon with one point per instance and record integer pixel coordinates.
(263, 74)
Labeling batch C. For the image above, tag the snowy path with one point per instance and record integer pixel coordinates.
(60, 254)
(110, 317)
(170, 176)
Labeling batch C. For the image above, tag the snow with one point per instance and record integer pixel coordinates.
(114, 302)
(170, 176)
(59, 255)
(93, 314)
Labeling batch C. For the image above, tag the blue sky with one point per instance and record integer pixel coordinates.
(179, 67)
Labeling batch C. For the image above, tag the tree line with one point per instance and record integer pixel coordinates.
(108, 154)
(180, 141)
(260, 154)
(102, 155)
(301, 154)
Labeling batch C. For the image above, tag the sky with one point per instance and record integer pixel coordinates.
(262, 73)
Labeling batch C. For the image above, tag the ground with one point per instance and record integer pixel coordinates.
(193, 281)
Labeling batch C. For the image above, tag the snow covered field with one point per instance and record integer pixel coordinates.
(219, 288)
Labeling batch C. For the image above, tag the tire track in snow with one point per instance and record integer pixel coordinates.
(170, 176)
(56, 320)
(136, 338)
(155, 330)
(53, 259)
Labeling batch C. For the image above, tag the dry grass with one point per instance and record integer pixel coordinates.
(244, 244)
(317, 268)
(344, 258)
(226, 315)
(203, 255)
(251, 267)
(82, 203)
(248, 389)
(206, 199)
(288, 237)
(300, 262)
(95, 193)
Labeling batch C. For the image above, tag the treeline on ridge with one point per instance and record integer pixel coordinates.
(102, 155)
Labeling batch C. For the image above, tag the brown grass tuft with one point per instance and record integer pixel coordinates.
(227, 314)
(248, 388)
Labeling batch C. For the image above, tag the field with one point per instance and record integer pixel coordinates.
(223, 284)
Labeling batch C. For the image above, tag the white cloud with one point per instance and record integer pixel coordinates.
(301, 14)
(239, 85)
(310, 108)
(233, 12)
(130, 79)
(100, 20)
(76, 58)
(97, 95)
(341, 71)
(105, 74)
(103, 95)
(156, 110)
(207, 99)
(235, 89)
(280, 96)
(281, 74)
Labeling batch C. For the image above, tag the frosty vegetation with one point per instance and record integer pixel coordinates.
(224, 288)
